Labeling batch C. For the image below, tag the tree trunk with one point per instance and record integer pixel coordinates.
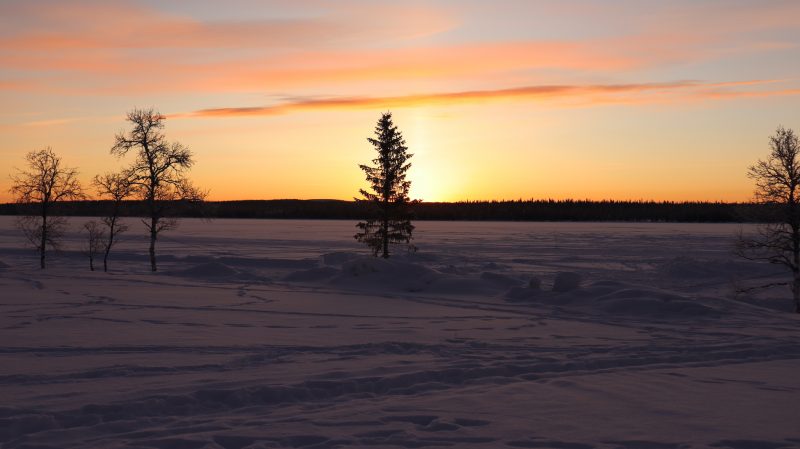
(385, 238)
(109, 243)
(796, 292)
(105, 257)
(795, 225)
(43, 243)
(91, 262)
(153, 235)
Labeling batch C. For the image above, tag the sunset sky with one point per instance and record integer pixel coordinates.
(497, 100)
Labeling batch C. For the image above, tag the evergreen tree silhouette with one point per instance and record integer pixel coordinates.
(388, 193)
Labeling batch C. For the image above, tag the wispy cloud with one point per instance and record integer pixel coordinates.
(299, 69)
(14, 84)
(50, 122)
(574, 95)
(106, 48)
(121, 48)
(126, 25)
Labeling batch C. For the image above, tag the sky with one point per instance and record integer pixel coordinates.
(497, 100)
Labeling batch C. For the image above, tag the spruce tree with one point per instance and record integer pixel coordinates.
(388, 190)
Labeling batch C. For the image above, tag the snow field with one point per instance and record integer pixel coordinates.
(260, 334)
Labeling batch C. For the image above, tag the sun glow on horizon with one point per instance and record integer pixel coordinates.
(429, 187)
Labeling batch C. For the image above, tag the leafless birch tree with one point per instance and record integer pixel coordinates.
(95, 241)
(45, 182)
(116, 188)
(777, 181)
(158, 172)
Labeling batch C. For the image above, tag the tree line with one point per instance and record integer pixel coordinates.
(513, 210)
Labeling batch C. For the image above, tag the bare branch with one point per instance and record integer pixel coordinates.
(157, 172)
(777, 182)
(44, 182)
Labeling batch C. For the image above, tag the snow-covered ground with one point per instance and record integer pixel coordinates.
(269, 333)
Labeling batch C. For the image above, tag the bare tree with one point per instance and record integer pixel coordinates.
(778, 189)
(95, 241)
(115, 187)
(45, 182)
(158, 172)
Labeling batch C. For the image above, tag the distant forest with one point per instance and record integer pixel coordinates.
(519, 210)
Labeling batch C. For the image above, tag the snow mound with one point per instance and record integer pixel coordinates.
(209, 270)
(531, 291)
(386, 273)
(613, 298)
(688, 268)
(493, 266)
(312, 274)
(244, 263)
(458, 270)
(645, 302)
(421, 256)
(269, 263)
(339, 257)
(463, 285)
(365, 266)
(637, 302)
(566, 282)
(518, 294)
(499, 278)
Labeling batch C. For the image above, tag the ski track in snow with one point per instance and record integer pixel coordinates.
(259, 334)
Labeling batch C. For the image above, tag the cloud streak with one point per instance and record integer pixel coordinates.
(51, 26)
(317, 67)
(120, 48)
(570, 95)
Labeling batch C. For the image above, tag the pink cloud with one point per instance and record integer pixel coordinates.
(91, 25)
(121, 48)
(575, 95)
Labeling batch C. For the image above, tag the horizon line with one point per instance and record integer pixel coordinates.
(516, 200)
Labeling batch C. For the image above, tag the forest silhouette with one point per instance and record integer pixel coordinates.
(512, 210)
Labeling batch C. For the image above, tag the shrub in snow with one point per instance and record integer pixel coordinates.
(535, 283)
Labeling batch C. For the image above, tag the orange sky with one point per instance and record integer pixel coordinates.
(497, 100)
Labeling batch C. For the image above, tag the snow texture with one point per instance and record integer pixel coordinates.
(261, 334)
